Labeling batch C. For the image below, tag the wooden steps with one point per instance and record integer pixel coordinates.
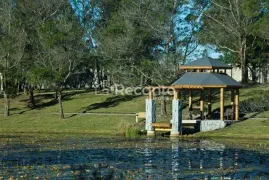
(166, 127)
(164, 130)
(161, 125)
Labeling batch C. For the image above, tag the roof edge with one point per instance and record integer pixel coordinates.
(186, 67)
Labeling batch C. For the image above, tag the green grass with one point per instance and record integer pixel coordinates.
(36, 123)
(248, 129)
(42, 119)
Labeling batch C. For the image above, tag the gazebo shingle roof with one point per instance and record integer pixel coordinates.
(206, 63)
(205, 79)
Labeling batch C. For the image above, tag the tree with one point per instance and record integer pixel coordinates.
(228, 24)
(31, 13)
(12, 43)
(257, 54)
(61, 38)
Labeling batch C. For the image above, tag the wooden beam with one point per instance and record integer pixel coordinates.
(161, 125)
(236, 105)
(221, 103)
(202, 104)
(232, 103)
(209, 103)
(190, 100)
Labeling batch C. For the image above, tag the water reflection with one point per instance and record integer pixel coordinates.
(148, 152)
(116, 158)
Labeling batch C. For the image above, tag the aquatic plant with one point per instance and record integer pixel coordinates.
(129, 129)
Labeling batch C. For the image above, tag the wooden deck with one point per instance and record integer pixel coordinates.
(168, 126)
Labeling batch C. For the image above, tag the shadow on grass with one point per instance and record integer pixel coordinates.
(109, 102)
(51, 100)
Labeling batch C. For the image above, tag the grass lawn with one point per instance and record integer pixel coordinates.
(44, 120)
(248, 129)
(37, 123)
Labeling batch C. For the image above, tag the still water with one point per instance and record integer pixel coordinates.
(119, 158)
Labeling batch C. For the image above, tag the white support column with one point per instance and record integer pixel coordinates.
(1, 82)
(176, 118)
(222, 104)
(150, 116)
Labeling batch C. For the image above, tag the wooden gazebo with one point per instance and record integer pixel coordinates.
(204, 75)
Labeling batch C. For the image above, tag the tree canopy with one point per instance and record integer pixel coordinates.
(101, 43)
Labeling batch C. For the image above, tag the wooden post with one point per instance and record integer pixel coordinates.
(221, 103)
(232, 104)
(209, 104)
(176, 94)
(190, 100)
(236, 105)
(225, 71)
(202, 104)
(151, 94)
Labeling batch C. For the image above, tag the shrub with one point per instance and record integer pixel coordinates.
(128, 129)
(257, 104)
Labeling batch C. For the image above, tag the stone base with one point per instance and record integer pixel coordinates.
(210, 125)
(150, 133)
(174, 134)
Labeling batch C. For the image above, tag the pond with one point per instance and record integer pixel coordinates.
(86, 157)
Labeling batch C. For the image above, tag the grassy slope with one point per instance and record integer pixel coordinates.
(23, 119)
(248, 129)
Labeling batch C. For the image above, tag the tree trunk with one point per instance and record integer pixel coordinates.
(141, 80)
(163, 106)
(264, 74)
(31, 103)
(254, 74)
(60, 104)
(56, 95)
(18, 89)
(243, 62)
(6, 104)
(25, 89)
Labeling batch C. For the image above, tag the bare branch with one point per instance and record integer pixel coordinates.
(227, 48)
(224, 25)
(222, 7)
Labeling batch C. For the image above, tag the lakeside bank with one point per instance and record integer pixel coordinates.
(88, 113)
